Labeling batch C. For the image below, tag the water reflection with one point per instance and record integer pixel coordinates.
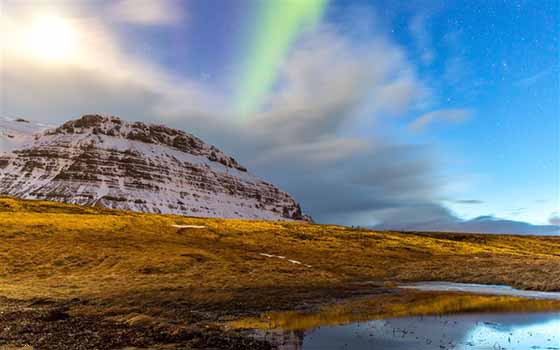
(473, 331)
(416, 320)
(397, 305)
(480, 289)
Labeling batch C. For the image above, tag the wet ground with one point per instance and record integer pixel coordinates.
(51, 325)
(364, 316)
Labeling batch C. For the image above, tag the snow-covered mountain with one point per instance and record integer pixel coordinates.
(105, 161)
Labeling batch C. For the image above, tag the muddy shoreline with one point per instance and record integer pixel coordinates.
(167, 320)
(154, 320)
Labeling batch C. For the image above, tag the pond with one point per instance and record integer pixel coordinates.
(480, 289)
(423, 316)
(520, 331)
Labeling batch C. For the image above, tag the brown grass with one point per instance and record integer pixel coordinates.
(63, 251)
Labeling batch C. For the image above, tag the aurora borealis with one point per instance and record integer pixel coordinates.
(273, 27)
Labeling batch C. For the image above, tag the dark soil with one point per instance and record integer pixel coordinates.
(51, 327)
(155, 320)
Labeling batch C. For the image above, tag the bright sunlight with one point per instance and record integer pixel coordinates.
(52, 39)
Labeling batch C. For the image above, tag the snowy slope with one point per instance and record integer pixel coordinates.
(15, 133)
(105, 161)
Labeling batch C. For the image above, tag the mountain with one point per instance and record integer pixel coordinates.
(491, 224)
(481, 224)
(105, 161)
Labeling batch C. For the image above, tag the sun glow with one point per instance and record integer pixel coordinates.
(53, 39)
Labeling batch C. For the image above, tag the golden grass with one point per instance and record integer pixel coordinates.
(62, 251)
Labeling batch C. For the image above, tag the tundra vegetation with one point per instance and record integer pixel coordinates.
(113, 279)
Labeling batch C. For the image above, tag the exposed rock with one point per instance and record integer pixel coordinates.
(104, 161)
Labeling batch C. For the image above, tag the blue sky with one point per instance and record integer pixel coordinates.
(373, 112)
(501, 60)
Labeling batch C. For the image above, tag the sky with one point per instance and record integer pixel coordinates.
(395, 114)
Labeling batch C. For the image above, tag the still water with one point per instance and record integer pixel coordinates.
(498, 320)
(481, 289)
(520, 331)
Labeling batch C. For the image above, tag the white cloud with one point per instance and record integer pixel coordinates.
(554, 219)
(327, 82)
(535, 78)
(148, 12)
(443, 115)
(309, 155)
(100, 76)
(397, 96)
(418, 27)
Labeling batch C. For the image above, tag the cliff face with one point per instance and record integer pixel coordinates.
(105, 161)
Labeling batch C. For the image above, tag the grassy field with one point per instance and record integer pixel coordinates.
(102, 263)
(56, 250)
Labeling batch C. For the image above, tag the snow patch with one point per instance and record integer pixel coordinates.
(15, 133)
(189, 226)
(283, 257)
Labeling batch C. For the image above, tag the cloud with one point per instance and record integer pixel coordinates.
(443, 115)
(299, 141)
(326, 80)
(468, 201)
(456, 70)
(535, 78)
(351, 190)
(554, 219)
(327, 150)
(517, 211)
(398, 95)
(418, 28)
(100, 77)
(147, 12)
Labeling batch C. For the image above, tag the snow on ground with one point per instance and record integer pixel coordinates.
(283, 257)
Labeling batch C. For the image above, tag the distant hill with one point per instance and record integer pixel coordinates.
(481, 224)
